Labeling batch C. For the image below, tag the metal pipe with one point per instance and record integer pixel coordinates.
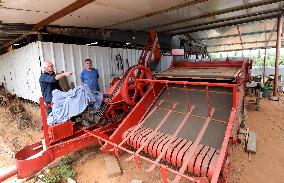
(8, 172)
(278, 47)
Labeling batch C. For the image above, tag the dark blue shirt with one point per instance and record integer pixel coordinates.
(48, 83)
(91, 79)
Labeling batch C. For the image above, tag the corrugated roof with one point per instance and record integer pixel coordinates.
(201, 19)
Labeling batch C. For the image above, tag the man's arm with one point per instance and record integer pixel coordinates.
(59, 76)
(47, 78)
(50, 79)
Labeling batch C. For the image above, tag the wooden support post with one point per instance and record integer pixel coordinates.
(278, 47)
(264, 65)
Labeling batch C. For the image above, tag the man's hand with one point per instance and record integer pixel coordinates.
(67, 74)
(59, 76)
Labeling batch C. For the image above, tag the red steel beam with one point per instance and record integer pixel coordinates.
(187, 83)
(8, 172)
(43, 108)
(209, 64)
(224, 146)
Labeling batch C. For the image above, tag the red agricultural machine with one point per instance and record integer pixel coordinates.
(183, 120)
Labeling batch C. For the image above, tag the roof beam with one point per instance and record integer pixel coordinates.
(13, 32)
(61, 13)
(3, 36)
(236, 35)
(220, 12)
(224, 20)
(109, 35)
(250, 48)
(15, 27)
(190, 3)
(230, 23)
(271, 33)
(249, 42)
(240, 35)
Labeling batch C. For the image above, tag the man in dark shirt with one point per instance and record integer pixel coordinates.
(49, 81)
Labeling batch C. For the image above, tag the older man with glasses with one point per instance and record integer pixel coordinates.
(49, 81)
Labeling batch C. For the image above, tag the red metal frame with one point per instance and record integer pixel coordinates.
(62, 139)
(115, 141)
(137, 157)
(209, 64)
(151, 41)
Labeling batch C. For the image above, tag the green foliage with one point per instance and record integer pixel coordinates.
(59, 174)
(256, 55)
(270, 60)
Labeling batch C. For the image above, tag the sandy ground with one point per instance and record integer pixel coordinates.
(267, 165)
(13, 136)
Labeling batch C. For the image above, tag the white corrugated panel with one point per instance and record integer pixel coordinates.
(21, 68)
(110, 62)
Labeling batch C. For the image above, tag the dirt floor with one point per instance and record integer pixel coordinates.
(267, 165)
(16, 133)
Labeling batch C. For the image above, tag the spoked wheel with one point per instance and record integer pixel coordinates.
(131, 91)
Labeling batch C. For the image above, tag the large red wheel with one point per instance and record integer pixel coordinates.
(131, 91)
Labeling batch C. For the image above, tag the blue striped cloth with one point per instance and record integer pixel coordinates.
(72, 103)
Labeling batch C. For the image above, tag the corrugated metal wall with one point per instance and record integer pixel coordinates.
(21, 68)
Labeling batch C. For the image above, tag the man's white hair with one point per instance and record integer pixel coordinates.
(47, 63)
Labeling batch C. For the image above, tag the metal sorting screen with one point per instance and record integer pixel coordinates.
(161, 134)
(201, 72)
(214, 134)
